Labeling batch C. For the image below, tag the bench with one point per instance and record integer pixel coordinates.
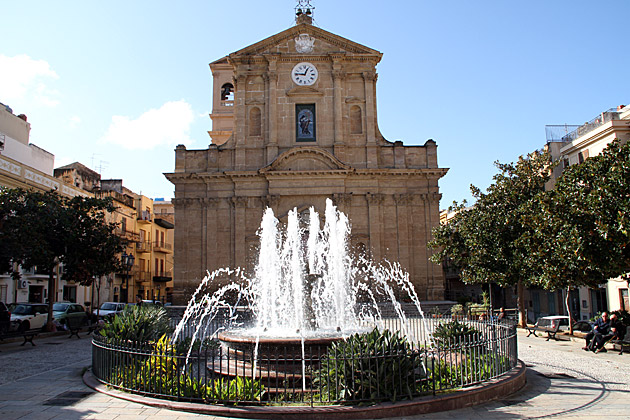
(28, 335)
(618, 344)
(551, 331)
(74, 324)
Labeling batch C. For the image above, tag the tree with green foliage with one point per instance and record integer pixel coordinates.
(583, 223)
(485, 240)
(44, 229)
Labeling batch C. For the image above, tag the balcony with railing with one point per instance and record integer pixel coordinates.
(127, 234)
(162, 277)
(143, 276)
(143, 246)
(567, 133)
(145, 216)
(161, 246)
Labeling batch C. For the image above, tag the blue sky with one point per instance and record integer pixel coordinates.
(103, 83)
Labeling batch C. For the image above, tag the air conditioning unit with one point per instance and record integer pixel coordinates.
(22, 284)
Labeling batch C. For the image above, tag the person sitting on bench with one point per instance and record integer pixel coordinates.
(617, 332)
(601, 328)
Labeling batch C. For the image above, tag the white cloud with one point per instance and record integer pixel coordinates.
(166, 126)
(73, 121)
(22, 78)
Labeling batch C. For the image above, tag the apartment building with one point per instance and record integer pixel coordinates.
(25, 165)
(571, 145)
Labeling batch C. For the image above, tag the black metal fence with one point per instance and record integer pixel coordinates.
(435, 355)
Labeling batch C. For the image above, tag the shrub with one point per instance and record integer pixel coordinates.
(457, 309)
(372, 366)
(453, 332)
(197, 346)
(623, 316)
(146, 323)
(237, 390)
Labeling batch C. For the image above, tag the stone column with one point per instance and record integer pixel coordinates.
(212, 235)
(343, 201)
(436, 275)
(374, 223)
(369, 78)
(338, 111)
(240, 206)
(180, 281)
(418, 244)
(240, 87)
(404, 244)
(271, 84)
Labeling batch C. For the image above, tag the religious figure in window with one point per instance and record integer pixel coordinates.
(305, 123)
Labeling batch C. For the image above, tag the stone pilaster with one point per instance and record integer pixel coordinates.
(369, 79)
(374, 223)
(240, 206)
(271, 85)
(403, 201)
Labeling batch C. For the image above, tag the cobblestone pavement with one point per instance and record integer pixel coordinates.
(564, 382)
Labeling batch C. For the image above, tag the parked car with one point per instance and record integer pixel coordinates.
(29, 316)
(5, 318)
(62, 311)
(583, 326)
(109, 309)
(553, 321)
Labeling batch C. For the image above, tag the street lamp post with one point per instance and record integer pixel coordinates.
(127, 260)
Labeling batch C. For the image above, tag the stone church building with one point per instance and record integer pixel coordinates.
(295, 122)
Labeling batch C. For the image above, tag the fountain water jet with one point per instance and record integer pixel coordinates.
(307, 290)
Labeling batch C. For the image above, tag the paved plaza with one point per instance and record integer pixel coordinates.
(563, 382)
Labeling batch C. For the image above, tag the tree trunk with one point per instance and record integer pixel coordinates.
(522, 315)
(566, 302)
(52, 289)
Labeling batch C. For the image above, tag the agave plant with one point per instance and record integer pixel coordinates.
(452, 332)
(143, 324)
(374, 366)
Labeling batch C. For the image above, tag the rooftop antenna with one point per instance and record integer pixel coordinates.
(304, 12)
(102, 164)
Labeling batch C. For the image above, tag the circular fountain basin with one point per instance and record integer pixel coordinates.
(248, 342)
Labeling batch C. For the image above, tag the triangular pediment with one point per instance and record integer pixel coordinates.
(305, 159)
(325, 43)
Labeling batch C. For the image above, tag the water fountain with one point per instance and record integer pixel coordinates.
(307, 285)
(307, 291)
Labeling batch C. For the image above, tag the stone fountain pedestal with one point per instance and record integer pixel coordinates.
(281, 363)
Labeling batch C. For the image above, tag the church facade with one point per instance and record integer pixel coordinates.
(294, 123)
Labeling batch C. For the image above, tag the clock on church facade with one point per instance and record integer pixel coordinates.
(293, 123)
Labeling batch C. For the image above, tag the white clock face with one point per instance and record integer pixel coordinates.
(304, 74)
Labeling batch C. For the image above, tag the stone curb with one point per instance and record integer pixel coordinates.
(491, 390)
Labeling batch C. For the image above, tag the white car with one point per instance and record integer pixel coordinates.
(553, 321)
(109, 309)
(29, 316)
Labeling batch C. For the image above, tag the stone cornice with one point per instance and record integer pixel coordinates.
(318, 33)
(306, 152)
(268, 171)
(304, 91)
(332, 173)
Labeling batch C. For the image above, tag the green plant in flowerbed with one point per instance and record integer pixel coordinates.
(372, 366)
(452, 332)
(184, 345)
(239, 389)
(479, 367)
(142, 324)
(159, 373)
